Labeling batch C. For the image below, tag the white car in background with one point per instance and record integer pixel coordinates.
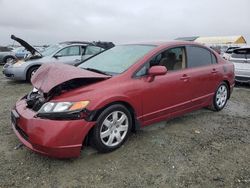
(241, 59)
(226, 55)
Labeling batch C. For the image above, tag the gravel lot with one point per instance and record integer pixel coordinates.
(200, 149)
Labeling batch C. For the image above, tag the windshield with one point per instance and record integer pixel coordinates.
(19, 49)
(51, 49)
(117, 59)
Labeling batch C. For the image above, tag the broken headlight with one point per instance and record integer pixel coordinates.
(18, 63)
(63, 110)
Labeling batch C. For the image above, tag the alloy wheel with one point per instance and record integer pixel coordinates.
(221, 96)
(114, 128)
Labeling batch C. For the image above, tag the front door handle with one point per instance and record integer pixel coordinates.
(185, 77)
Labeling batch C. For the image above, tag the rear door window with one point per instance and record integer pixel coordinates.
(92, 50)
(198, 56)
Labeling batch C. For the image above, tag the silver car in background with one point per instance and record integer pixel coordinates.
(6, 55)
(71, 52)
(241, 59)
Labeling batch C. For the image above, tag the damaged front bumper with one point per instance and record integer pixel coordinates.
(54, 138)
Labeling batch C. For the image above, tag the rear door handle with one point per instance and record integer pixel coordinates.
(77, 60)
(214, 71)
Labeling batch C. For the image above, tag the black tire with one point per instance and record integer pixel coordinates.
(98, 142)
(30, 71)
(216, 106)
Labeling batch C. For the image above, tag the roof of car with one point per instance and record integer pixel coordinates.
(193, 38)
(162, 43)
(75, 42)
(101, 44)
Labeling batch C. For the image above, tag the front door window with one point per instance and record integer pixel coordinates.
(70, 51)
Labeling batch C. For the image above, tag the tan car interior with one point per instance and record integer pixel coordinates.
(172, 59)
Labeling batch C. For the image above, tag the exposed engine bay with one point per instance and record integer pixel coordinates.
(35, 99)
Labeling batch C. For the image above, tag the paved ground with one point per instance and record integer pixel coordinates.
(200, 149)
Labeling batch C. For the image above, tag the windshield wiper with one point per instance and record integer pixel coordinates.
(98, 71)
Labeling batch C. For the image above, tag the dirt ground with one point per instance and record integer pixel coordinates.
(200, 149)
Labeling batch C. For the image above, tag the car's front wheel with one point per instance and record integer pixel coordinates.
(112, 128)
(31, 72)
(220, 97)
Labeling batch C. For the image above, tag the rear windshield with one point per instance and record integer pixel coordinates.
(230, 50)
(117, 59)
(240, 53)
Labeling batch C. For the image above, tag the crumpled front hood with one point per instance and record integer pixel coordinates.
(51, 75)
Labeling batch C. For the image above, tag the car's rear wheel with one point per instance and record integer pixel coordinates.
(31, 72)
(112, 128)
(220, 97)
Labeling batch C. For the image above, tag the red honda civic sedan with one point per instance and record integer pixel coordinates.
(117, 91)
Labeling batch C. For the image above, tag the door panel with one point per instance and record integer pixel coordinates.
(169, 93)
(165, 95)
(204, 82)
(203, 67)
(85, 57)
(69, 55)
(71, 60)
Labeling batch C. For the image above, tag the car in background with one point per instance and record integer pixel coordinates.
(22, 53)
(223, 49)
(117, 91)
(226, 55)
(6, 55)
(70, 52)
(241, 59)
(5, 49)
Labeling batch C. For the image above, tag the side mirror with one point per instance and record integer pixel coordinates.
(156, 71)
(57, 55)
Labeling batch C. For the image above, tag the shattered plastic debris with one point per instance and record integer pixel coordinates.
(18, 146)
(197, 132)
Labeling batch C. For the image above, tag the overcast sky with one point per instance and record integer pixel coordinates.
(121, 21)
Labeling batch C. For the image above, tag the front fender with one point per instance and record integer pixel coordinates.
(28, 66)
(136, 108)
(114, 99)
